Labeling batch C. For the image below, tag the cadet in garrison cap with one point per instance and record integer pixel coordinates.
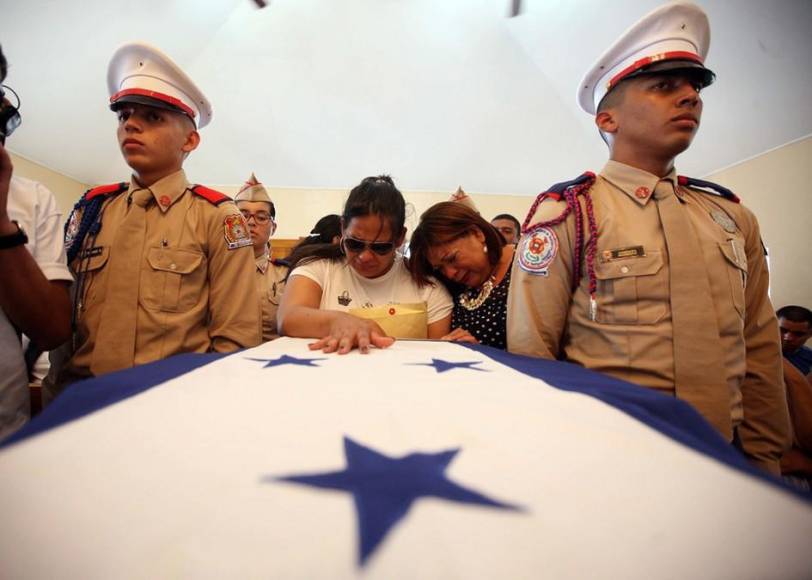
(260, 214)
(163, 266)
(652, 277)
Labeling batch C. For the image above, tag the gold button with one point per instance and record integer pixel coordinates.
(625, 269)
(173, 266)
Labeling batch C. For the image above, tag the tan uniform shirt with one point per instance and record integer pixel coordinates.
(270, 285)
(631, 336)
(194, 292)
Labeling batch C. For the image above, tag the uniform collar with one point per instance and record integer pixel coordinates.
(637, 184)
(166, 190)
(263, 261)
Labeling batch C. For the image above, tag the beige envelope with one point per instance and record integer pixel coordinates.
(398, 320)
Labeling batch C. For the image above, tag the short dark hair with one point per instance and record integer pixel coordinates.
(507, 216)
(3, 65)
(795, 314)
(442, 223)
(611, 99)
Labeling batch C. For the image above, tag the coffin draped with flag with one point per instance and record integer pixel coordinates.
(429, 460)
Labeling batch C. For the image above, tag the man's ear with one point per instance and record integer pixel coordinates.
(192, 141)
(606, 121)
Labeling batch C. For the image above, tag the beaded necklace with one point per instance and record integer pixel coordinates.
(469, 301)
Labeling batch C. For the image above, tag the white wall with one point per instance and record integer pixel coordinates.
(777, 187)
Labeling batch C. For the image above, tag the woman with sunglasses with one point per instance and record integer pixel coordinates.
(360, 293)
(471, 258)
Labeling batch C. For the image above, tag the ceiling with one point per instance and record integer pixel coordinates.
(438, 93)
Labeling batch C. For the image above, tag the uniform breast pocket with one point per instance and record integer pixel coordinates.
(172, 280)
(91, 266)
(736, 262)
(632, 291)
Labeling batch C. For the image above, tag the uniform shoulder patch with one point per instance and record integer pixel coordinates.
(537, 251)
(210, 195)
(102, 190)
(236, 231)
(708, 187)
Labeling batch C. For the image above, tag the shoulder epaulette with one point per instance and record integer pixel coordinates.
(84, 218)
(556, 191)
(112, 189)
(210, 195)
(708, 187)
(280, 262)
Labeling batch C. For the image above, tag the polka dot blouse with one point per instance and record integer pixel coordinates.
(488, 323)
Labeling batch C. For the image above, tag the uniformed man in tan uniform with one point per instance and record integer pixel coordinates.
(260, 214)
(162, 266)
(657, 279)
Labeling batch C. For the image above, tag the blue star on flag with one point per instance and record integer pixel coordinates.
(442, 366)
(287, 360)
(384, 488)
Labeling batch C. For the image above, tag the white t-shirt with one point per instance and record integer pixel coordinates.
(34, 208)
(342, 288)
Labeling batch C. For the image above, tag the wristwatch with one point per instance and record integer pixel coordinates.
(18, 238)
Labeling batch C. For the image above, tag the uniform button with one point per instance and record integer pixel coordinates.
(625, 269)
(642, 192)
(173, 266)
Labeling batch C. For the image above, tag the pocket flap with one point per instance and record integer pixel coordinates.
(734, 252)
(178, 261)
(642, 266)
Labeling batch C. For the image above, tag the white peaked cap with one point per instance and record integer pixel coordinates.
(141, 73)
(677, 33)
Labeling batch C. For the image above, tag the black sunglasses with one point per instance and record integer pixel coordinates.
(357, 246)
(10, 117)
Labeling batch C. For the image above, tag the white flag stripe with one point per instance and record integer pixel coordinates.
(167, 483)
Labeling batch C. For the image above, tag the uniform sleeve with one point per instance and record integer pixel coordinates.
(764, 431)
(49, 245)
(539, 299)
(235, 315)
(438, 302)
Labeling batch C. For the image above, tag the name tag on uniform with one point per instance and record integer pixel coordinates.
(90, 252)
(622, 253)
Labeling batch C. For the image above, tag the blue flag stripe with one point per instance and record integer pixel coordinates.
(92, 395)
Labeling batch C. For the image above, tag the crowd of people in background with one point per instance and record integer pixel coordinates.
(635, 271)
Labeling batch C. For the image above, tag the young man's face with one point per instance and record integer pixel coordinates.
(260, 223)
(657, 113)
(154, 141)
(793, 334)
(508, 229)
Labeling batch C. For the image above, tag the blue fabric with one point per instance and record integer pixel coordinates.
(384, 488)
(802, 359)
(85, 397)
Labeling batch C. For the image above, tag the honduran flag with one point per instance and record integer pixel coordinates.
(424, 460)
